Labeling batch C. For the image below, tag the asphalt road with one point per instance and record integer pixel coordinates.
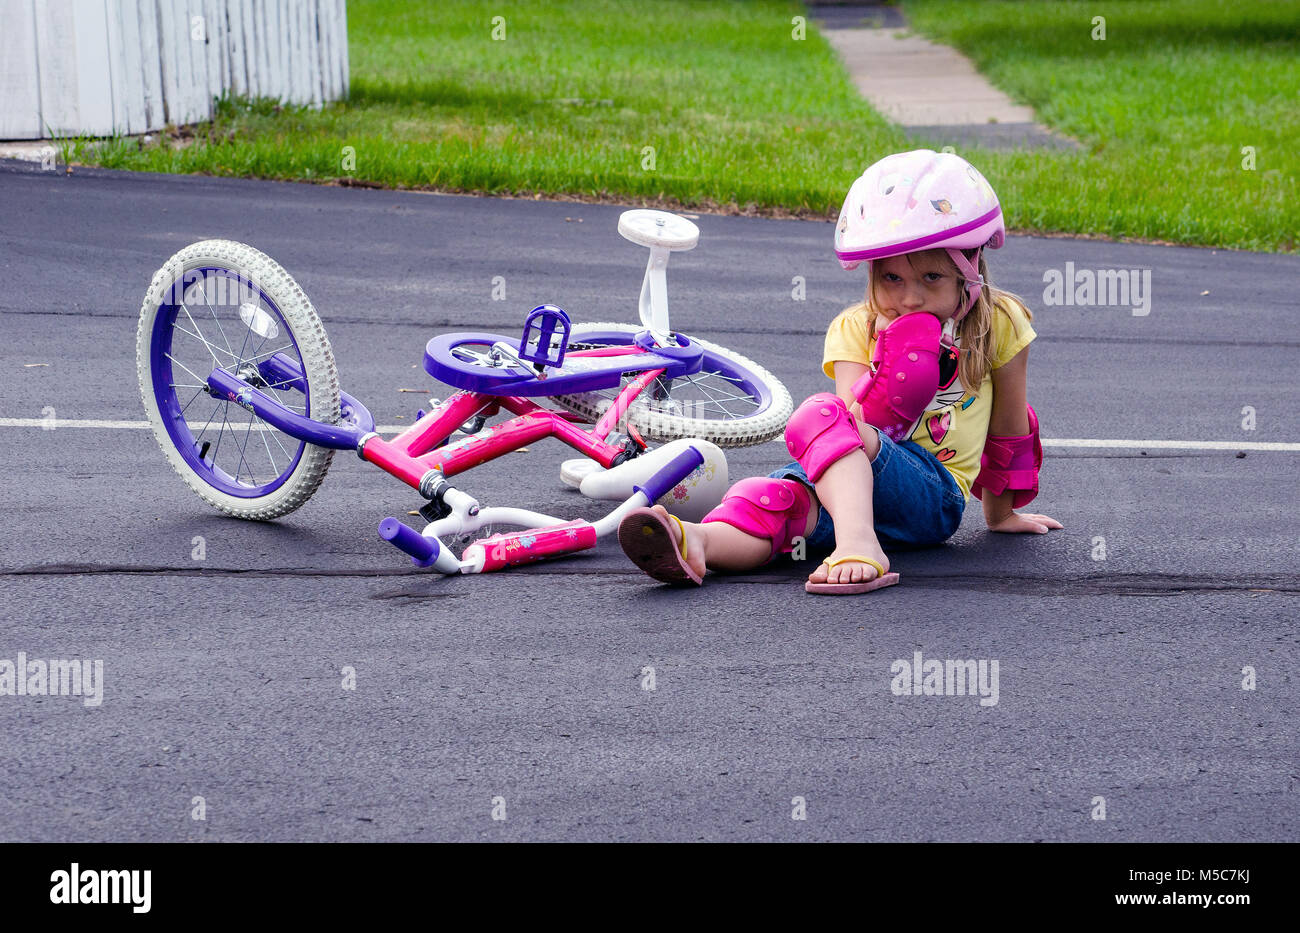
(1119, 678)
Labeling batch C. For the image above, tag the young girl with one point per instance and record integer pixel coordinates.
(891, 457)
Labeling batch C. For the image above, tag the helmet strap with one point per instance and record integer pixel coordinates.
(970, 271)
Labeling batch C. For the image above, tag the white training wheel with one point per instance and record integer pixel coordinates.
(658, 228)
(573, 472)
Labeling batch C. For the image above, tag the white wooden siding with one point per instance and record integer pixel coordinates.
(102, 67)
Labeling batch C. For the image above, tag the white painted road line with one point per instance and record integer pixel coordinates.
(1084, 442)
(51, 424)
(1168, 445)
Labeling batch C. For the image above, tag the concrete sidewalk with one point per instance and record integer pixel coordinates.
(929, 89)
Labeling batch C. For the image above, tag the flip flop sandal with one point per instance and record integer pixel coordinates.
(881, 579)
(647, 538)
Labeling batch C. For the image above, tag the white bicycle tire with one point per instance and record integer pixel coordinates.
(319, 369)
(661, 427)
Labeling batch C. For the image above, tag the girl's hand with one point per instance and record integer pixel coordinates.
(1025, 522)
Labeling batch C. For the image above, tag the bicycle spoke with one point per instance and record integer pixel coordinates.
(709, 395)
(244, 449)
(713, 402)
(270, 456)
(221, 330)
(239, 359)
(186, 368)
(198, 437)
(737, 398)
(211, 346)
(243, 463)
(270, 353)
(255, 356)
(199, 334)
(722, 408)
(276, 436)
(220, 434)
(282, 388)
(285, 387)
(192, 398)
(717, 401)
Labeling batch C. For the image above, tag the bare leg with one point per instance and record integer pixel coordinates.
(845, 490)
(719, 546)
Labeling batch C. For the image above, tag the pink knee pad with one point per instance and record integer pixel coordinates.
(820, 432)
(906, 374)
(776, 509)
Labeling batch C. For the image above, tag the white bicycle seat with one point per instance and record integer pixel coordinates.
(658, 229)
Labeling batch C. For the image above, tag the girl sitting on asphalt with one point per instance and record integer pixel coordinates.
(892, 456)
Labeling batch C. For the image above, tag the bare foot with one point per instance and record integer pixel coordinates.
(852, 571)
(696, 541)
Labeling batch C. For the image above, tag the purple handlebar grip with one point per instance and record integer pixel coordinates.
(424, 551)
(672, 473)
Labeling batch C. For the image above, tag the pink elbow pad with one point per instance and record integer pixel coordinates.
(906, 374)
(1011, 463)
(820, 432)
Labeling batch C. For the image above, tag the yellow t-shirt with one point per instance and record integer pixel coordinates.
(955, 423)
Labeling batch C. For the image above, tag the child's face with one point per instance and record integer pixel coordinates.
(929, 288)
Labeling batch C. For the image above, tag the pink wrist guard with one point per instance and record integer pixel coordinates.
(906, 376)
(1011, 463)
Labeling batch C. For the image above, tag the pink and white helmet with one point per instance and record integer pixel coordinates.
(920, 200)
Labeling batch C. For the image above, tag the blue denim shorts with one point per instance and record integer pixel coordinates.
(916, 502)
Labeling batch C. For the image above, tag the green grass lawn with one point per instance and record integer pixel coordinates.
(742, 116)
(1164, 104)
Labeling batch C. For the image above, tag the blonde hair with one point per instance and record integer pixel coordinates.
(975, 330)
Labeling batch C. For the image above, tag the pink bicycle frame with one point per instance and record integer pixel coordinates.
(411, 455)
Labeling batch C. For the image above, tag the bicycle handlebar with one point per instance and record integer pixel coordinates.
(424, 551)
(672, 473)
